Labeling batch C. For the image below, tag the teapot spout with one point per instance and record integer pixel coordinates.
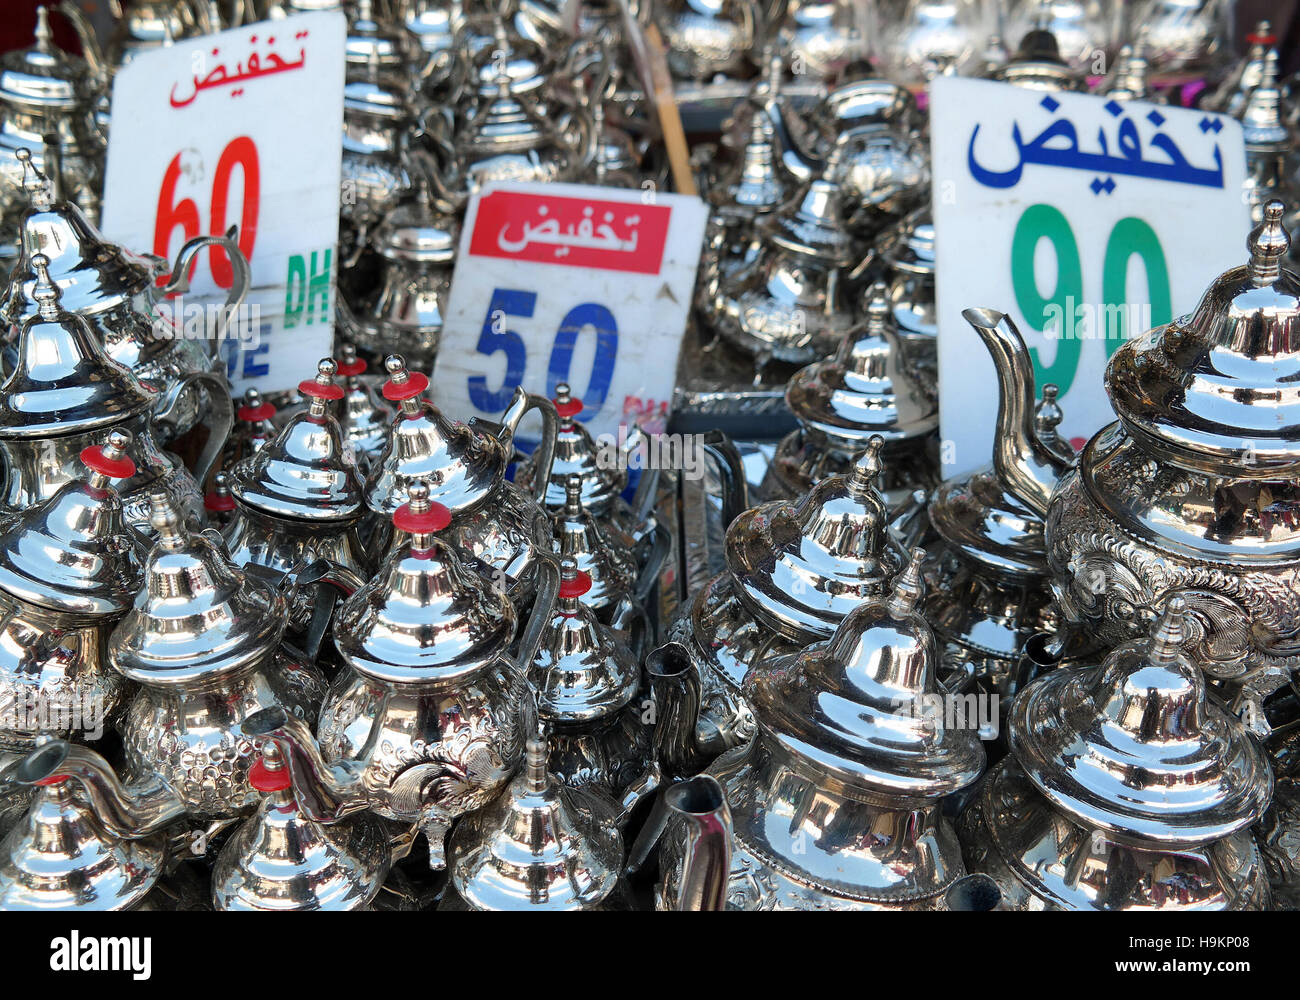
(731, 471)
(1027, 467)
(695, 858)
(127, 811)
(324, 792)
(676, 689)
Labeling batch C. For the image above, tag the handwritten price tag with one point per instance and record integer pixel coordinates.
(239, 128)
(1087, 220)
(569, 283)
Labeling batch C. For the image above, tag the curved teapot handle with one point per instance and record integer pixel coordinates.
(548, 592)
(179, 281)
(520, 404)
(90, 50)
(221, 414)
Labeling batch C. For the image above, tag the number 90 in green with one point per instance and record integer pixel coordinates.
(1130, 237)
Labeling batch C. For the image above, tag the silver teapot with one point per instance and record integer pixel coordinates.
(427, 721)
(846, 741)
(45, 91)
(1083, 29)
(918, 40)
(87, 842)
(300, 499)
(69, 569)
(871, 387)
(587, 679)
(116, 291)
(1037, 65)
(539, 847)
(500, 524)
(403, 314)
(988, 577)
(1129, 79)
(822, 38)
(708, 38)
(203, 642)
(63, 395)
(280, 860)
(1189, 493)
(1232, 93)
(1183, 36)
(1128, 788)
(788, 302)
(1271, 163)
(141, 25)
(794, 570)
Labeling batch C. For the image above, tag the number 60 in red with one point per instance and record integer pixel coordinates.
(241, 152)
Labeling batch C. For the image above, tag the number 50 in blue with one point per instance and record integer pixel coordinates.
(495, 337)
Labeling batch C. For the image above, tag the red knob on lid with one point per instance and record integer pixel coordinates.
(568, 407)
(53, 779)
(219, 502)
(252, 414)
(425, 522)
(416, 383)
(315, 390)
(1254, 38)
(355, 367)
(577, 586)
(95, 460)
(264, 779)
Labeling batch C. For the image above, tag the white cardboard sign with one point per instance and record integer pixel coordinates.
(1087, 220)
(570, 283)
(239, 128)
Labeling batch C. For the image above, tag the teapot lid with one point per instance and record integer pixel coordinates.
(426, 617)
(364, 418)
(279, 859)
(909, 245)
(1261, 118)
(983, 522)
(576, 454)
(73, 552)
(756, 188)
(580, 672)
(1129, 81)
(43, 75)
(64, 382)
(868, 387)
(62, 856)
(307, 471)
(1135, 746)
(535, 847)
(198, 615)
(414, 232)
(1037, 65)
(373, 45)
(1221, 388)
(506, 122)
(521, 60)
(92, 273)
(866, 706)
(801, 567)
(812, 222)
(459, 464)
(869, 101)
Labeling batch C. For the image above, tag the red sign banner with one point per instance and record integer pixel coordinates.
(574, 232)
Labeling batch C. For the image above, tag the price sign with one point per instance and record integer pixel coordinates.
(1087, 220)
(239, 128)
(569, 283)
